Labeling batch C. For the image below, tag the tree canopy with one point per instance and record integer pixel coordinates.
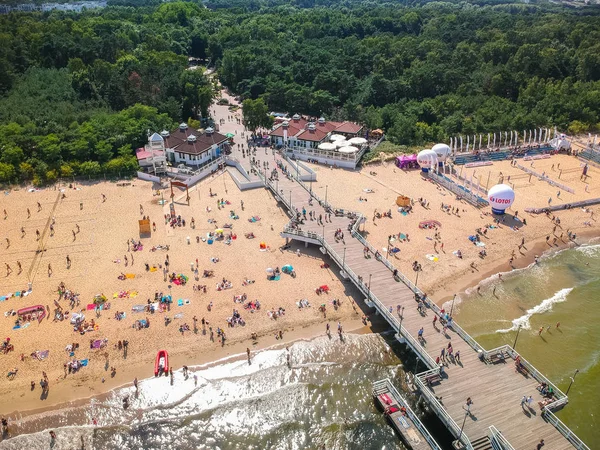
(79, 91)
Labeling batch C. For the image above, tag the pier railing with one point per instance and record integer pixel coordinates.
(439, 409)
(390, 318)
(564, 430)
(547, 412)
(561, 398)
(387, 384)
(498, 441)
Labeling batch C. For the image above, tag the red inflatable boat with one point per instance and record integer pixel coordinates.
(161, 365)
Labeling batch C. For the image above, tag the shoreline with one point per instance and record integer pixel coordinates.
(538, 247)
(229, 353)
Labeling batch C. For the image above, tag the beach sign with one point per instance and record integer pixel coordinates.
(501, 197)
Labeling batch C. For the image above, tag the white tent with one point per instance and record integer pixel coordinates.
(357, 141)
(327, 146)
(336, 137)
(340, 144)
(347, 149)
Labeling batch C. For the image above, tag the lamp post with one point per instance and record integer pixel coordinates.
(572, 381)
(401, 319)
(517, 336)
(463, 426)
(452, 307)
(326, 195)
(344, 259)
(418, 269)
(370, 275)
(290, 198)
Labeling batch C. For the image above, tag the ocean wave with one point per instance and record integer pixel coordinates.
(589, 250)
(544, 306)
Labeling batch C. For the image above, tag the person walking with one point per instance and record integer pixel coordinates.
(540, 445)
(523, 401)
(468, 405)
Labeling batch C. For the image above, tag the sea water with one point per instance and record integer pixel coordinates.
(324, 400)
(563, 287)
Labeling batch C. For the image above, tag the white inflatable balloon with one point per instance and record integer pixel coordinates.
(442, 151)
(427, 159)
(501, 197)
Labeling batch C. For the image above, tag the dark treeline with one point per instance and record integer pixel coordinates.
(78, 92)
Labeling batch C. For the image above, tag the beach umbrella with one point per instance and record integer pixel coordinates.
(336, 137)
(340, 144)
(270, 271)
(230, 135)
(287, 267)
(219, 230)
(347, 149)
(357, 141)
(327, 146)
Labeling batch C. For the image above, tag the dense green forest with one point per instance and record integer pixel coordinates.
(79, 92)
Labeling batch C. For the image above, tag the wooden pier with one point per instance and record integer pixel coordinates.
(493, 384)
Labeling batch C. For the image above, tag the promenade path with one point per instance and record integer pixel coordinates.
(496, 389)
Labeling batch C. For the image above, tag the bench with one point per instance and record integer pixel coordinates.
(433, 378)
(497, 356)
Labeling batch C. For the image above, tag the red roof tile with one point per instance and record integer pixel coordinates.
(349, 127)
(178, 141)
(314, 136)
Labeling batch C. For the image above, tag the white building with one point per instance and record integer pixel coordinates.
(193, 147)
(152, 157)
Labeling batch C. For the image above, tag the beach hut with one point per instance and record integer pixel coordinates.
(145, 229)
(427, 159)
(402, 201)
(501, 197)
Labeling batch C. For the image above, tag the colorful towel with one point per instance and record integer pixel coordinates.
(103, 306)
(43, 354)
(83, 362)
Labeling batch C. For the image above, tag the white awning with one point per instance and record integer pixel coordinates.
(336, 137)
(326, 146)
(348, 149)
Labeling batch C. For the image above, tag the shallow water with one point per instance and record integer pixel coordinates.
(325, 399)
(564, 287)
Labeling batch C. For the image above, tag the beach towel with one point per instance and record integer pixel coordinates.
(275, 278)
(103, 306)
(130, 275)
(83, 362)
(17, 294)
(480, 244)
(138, 308)
(153, 269)
(2, 298)
(98, 343)
(180, 302)
(431, 257)
(43, 354)
(178, 316)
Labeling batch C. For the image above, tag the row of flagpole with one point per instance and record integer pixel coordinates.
(502, 138)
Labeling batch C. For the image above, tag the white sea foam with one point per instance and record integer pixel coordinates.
(590, 250)
(545, 306)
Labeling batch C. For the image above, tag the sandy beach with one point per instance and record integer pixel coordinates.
(94, 225)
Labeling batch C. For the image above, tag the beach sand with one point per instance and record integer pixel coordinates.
(443, 273)
(98, 253)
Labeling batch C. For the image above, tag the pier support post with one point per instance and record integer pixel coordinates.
(306, 244)
(400, 338)
(370, 304)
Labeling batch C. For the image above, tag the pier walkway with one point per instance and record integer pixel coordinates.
(489, 378)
